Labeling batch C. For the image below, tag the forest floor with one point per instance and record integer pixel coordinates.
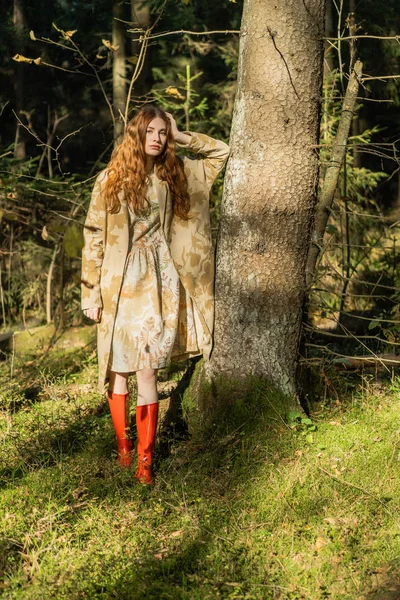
(264, 505)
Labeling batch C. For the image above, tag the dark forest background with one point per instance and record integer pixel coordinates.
(57, 106)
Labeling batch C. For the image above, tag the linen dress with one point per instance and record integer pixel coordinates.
(155, 319)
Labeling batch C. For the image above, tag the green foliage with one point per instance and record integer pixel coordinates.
(68, 134)
(356, 290)
(73, 240)
(37, 217)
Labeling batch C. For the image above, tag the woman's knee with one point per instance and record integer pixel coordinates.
(118, 382)
(146, 376)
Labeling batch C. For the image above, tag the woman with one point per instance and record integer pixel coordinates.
(147, 266)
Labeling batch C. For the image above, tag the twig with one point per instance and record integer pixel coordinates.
(346, 330)
(28, 129)
(381, 77)
(339, 45)
(2, 109)
(326, 306)
(265, 396)
(2, 298)
(53, 43)
(329, 333)
(370, 37)
(137, 71)
(361, 359)
(187, 32)
(272, 35)
(12, 357)
(96, 74)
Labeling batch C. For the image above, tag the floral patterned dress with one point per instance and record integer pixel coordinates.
(156, 320)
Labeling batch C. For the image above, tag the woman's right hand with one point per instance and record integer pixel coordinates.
(93, 313)
(179, 137)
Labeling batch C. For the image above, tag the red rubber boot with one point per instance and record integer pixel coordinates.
(146, 423)
(119, 413)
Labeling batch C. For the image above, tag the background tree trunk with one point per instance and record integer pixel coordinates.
(329, 52)
(332, 172)
(269, 194)
(119, 67)
(19, 25)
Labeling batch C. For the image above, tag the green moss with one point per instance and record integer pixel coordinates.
(255, 505)
(33, 340)
(229, 402)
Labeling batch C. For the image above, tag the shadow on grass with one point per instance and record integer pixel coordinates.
(29, 383)
(203, 479)
(207, 471)
(49, 444)
(210, 470)
(389, 589)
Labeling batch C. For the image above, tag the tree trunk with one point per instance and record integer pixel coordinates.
(49, 315)
(19, 25)
(333, 170)
(355, 125)
(119, 67)
(329, 58)
(269, 194)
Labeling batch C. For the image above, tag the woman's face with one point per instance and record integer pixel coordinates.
(156, 137)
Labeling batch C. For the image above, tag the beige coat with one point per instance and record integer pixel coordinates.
(106, 241)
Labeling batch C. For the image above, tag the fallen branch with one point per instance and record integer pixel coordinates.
(352, 362)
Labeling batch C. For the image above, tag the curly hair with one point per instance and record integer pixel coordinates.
(126, 171)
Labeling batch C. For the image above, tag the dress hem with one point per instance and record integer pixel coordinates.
(174, 358)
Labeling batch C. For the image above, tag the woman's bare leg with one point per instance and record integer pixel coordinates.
(118, 383)
(147, 386)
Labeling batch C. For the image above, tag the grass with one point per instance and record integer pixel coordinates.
(261, 505)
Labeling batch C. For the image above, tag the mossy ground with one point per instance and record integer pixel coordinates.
(257, 505)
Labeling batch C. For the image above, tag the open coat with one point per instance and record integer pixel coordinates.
(106, 244)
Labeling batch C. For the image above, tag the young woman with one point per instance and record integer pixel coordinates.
(147, 266)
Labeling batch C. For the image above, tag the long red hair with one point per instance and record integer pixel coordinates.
(126, 171)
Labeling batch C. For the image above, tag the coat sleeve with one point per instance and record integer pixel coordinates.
(94, 234)
(215, 154)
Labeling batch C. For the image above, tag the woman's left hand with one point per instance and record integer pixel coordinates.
(179, 137)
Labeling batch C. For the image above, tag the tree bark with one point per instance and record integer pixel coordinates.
(329, 53)
(355, 125)
(19, 25)
(49, 316)
(269, 194)
(119, 67)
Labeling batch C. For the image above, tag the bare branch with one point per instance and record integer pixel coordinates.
(187, 32)
(137, 71)
(359, 37)
(333, 170)
(272, 36)
(380, 77)
(53, 43)
(96, 74)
